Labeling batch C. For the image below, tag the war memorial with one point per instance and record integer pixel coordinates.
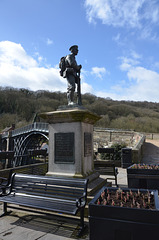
(73, 184)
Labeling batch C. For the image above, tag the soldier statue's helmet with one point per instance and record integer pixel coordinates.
(72, 47)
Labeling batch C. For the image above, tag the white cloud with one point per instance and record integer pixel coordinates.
(108, 94)
(49, 41)
(144, 83)
(128, 62)
(14, 54)
(135, 55)
(149, 78)
(98, 71)
(141, 84)
(122, 13)
(39, 57)
(116, 38)
(156, 65)
(86, 88)
(140, 90)
(19, 70)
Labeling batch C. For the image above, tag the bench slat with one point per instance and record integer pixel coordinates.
(57, 206)
(48, 190)
(57, 181)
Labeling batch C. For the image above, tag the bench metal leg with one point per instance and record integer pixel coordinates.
(116, 181)
(4, 208)
(82, 227)
(5, 212)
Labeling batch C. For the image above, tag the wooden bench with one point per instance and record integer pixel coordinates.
(107, 166)
(62, 195)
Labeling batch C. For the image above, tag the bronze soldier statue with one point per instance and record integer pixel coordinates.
(72, 73)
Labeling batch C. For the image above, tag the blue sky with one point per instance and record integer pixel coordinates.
(118, 45)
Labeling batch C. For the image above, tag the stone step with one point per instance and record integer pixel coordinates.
(95, 185)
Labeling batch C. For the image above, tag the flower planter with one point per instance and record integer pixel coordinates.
(123, 222)
(143, 176)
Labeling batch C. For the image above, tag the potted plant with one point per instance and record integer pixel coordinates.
(143, 176)
(124, 214)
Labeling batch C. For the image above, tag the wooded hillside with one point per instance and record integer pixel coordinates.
(20, 106)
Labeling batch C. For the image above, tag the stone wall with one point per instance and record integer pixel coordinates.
(107, 137)
(137, 150)
(104, 137)
(154, 136)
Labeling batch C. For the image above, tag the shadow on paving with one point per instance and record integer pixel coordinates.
(150, 148)
(150, 153)
(43, 226)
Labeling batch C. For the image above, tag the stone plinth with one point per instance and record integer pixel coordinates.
(70, 142)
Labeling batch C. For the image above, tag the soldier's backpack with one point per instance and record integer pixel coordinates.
(62, 66)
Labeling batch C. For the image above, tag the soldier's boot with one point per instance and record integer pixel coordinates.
(70, 96)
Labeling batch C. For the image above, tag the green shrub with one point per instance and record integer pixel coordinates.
(117, 150)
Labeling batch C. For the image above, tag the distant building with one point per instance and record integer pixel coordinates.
(8, 129)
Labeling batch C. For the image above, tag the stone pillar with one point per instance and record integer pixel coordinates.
(70, 142)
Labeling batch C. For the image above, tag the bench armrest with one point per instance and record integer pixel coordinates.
(81, 202)
(5, 190)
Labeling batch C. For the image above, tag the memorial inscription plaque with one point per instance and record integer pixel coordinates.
(64, 148)
(87, 144)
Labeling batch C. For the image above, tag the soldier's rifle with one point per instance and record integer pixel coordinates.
(79, 100)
